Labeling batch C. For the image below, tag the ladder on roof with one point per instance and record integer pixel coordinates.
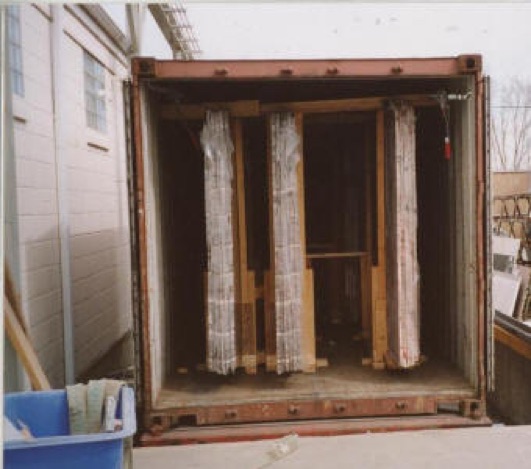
(174, 24)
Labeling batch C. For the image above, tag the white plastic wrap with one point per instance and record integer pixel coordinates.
(218, 149)
(289, 262)
(403, 303)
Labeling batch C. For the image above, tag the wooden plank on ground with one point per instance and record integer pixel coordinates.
(24, 350)
(515, 343)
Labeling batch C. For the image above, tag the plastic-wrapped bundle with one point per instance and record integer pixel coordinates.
(218, 149)
(287, 244)
(402, 265)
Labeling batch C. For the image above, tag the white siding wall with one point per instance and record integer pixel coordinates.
(36, 193)
(97, 197)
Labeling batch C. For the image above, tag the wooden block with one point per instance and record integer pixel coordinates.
(250, 349)
(321, 362)
(205, 298)
(380, 329)
(24, 350)
(270, 326)
(238, 332)
(366, 361)
(308, 324)
(366, 307)
(248, 336)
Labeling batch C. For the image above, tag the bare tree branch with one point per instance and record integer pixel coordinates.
(511, 127)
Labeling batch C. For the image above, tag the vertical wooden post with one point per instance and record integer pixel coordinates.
(308, 313)
(269, 284)
(245, 297)
(366, 261)
(379, 296)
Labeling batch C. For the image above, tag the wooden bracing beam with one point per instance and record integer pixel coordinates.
(253, 108)
(197, 111)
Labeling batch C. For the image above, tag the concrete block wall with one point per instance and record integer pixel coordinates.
(96, 194)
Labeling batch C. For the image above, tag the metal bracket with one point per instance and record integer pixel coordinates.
(472, 408)
(144, 67)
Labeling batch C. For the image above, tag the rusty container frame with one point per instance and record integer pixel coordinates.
(471, 411)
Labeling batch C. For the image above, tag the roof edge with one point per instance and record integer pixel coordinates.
(106, 23)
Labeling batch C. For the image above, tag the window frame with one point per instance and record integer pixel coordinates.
(14, 44)
(95, 92)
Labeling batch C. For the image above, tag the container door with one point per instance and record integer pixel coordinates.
(489, 311)
(133, 235)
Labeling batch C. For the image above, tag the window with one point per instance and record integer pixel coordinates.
(15, 49)
(94, 93)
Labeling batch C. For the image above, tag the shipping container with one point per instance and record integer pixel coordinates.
(311, 245)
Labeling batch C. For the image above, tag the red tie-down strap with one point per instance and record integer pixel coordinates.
(447, 148)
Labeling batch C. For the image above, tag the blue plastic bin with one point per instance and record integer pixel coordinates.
(46, 415)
